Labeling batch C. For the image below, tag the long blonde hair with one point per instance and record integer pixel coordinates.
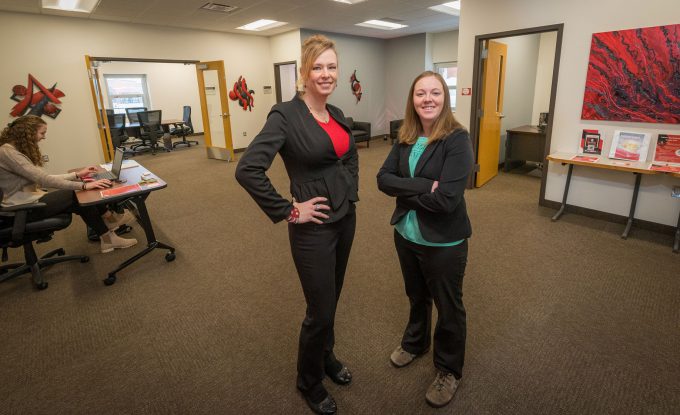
(444, 125)
(312, 48)
(22, 134)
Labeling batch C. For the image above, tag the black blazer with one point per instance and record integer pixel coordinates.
(442, 216)
(307, 152)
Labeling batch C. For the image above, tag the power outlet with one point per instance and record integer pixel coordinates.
(244, 134)
(45, 158)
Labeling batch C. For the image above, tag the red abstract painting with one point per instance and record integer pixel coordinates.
(634, 75)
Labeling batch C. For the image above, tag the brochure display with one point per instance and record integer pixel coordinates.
(627, 145)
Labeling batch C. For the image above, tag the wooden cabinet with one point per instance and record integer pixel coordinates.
(525, 143)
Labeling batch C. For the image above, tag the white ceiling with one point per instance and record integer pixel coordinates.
(323, 15)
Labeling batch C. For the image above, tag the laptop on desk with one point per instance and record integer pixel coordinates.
(116, 166)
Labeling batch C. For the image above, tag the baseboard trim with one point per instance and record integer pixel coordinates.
(611, 217)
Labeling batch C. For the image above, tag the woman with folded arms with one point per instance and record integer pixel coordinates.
(22, 179)
(427, 173)
(318, 151)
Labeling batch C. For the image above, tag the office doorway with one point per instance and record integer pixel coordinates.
(514, 81)
(168, 96)
(285, 78)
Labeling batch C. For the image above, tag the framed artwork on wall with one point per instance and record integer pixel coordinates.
(632, 76)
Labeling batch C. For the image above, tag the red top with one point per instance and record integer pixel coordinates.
(338, 135)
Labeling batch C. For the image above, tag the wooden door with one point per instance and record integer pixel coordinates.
(99, 109)
(215, 110)
(493, 79)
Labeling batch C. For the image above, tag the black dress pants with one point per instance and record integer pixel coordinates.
(320, 253)
(65, 201)
(435, 273)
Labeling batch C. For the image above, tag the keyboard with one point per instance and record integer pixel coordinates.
(104, 175)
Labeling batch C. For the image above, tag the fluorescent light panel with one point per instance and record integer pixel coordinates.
(262, 24)
(452, 8)
(349, 1)
(81, 6)
(381, 24)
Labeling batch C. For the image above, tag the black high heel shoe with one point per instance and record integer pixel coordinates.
(325, 407)
(342, 377)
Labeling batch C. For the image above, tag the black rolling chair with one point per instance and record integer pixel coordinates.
(181, 130)
(361, 131)
(16, 231)
(118, 132)
(151, 130)
(132, 114)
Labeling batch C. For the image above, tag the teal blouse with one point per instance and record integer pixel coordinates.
(408, 224)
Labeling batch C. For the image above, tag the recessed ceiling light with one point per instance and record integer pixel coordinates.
(82, 6)
(448, 8)
(381, 24)
(262, 24)
(349, 1)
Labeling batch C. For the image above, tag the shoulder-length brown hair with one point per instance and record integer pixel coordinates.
(22, 134)
(444, 125)
(312, 48)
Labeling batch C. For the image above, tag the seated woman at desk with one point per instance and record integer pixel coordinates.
(22, 176)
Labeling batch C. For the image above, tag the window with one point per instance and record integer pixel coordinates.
(126, 91)
(449, 70)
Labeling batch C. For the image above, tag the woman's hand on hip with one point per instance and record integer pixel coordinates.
(98, 184)
(435, 185)
(311, 210)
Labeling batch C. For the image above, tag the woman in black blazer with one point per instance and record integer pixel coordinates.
(318, 151)
(427, 172)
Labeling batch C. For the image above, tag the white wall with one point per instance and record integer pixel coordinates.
(171, 86)
(445, 46)
(544, 72)
(600, 190)
(520, 78)
(55, 53)
(405, 59)
(367, 56)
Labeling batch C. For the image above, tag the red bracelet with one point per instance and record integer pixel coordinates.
(294, 215)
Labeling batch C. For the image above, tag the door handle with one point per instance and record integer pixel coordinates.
(501, 115)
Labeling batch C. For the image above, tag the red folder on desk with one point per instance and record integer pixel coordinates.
(117, 191)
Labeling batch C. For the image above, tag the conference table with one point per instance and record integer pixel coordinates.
(138, 184)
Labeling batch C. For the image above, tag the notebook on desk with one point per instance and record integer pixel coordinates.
(116, 165)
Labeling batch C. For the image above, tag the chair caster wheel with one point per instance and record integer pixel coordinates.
(110, 280)
(85, 259)
(41, 286)
(170, 256)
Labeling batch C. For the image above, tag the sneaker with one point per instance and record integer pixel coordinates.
(441, 391)
(111, 241)
(401, 357)
(114, 221)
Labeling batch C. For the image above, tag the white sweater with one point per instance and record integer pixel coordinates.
(21, 180)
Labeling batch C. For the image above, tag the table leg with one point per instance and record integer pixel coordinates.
(151, 242)
(636, 190)
(566, 193)
(676, 244)
(506, 164)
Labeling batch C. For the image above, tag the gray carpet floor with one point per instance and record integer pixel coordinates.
(563, 318)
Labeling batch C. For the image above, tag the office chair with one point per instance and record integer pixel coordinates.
(16, 231)
(118, 131)
(110, 111)
(150, 129)
(183, 129)
(132, 113)
(395, 125)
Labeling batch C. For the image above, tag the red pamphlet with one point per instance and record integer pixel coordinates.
(116, 191)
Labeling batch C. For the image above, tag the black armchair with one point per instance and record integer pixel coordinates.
(361, 131)
(17, 230)
(183, 129)
(395, 125)
(150, 129)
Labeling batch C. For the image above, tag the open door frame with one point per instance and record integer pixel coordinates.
(220, 153)
(477, 92)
